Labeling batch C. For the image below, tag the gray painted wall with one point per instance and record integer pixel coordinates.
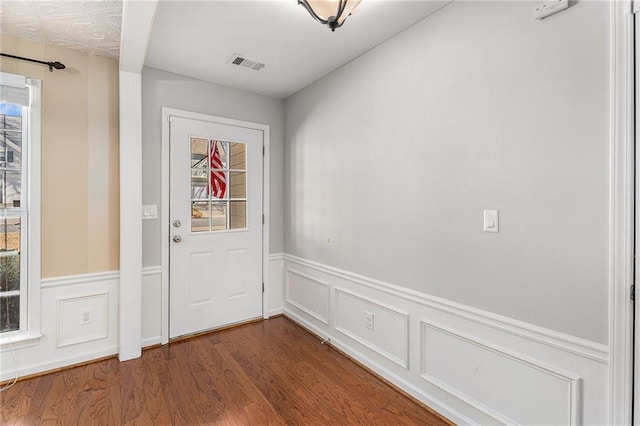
(390, 161)
(160, 89)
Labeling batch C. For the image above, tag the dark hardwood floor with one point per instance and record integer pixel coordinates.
(269, 372)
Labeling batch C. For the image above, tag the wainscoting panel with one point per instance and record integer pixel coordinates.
(308, 294)
(151, 305)
(506, 386)
(82, 319)
(378, 326)
(472, 366)
(276, 283)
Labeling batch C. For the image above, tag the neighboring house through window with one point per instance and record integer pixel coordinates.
(19, 208)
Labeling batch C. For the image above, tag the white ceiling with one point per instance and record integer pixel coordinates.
(197, 38)
(89, 26)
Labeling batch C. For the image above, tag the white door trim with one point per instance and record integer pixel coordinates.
(164, 210)
(636, 80)
(137, 23)
(621, 210)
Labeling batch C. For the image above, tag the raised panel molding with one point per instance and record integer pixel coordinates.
(64, 341)
(70, 309)
(276, 284)
(151, 308)
(315, 302)
(390, 334)
(525, 373)
(571, 344)
(464, 359)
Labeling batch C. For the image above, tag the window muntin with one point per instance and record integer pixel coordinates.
(218, 185)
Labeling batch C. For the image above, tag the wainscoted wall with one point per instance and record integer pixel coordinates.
(79, 323)
(276, 283)
(152, 298)
(151, 305)
(80, 319)
(470, 365)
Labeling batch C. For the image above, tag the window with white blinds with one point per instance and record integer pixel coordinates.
(14, 89)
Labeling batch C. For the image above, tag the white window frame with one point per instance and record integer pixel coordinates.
(30, 330)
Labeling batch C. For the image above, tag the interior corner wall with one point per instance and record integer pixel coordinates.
(80, 212)
(391, 160)
(164, 89)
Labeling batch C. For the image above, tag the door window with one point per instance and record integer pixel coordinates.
(218, 185)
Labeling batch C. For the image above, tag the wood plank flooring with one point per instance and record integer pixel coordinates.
(269, 372)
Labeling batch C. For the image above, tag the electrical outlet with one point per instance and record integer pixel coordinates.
(86, 316)
(368, 320)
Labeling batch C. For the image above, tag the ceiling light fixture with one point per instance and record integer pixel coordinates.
(331, 13)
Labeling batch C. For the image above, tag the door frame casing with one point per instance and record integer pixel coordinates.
(164, 209)
(636, 330)
(621, 213)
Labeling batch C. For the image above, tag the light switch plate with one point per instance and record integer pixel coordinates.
(150, 211)
(550, 7)
(491, 221)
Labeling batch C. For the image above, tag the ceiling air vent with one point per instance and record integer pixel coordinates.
(243, 62)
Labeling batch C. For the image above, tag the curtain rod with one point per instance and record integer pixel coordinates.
(57, 65)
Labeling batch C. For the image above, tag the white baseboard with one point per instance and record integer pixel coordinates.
(46, 366)
(385, 373)
(277, 311)
(470, 365)
(151, 341)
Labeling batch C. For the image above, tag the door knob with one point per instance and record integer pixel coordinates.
(177, 238)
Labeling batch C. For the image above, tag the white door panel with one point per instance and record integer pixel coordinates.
(215, 225)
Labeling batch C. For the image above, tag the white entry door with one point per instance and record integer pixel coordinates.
(215, 210)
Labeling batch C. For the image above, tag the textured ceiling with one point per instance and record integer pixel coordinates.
(89, 26)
